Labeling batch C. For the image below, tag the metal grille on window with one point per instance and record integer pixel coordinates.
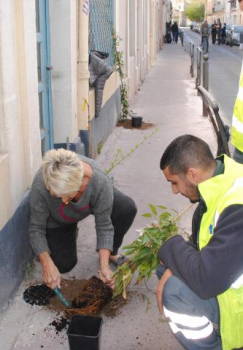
(101, 23)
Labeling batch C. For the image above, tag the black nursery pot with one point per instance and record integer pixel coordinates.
(84, 332)
(136, 121)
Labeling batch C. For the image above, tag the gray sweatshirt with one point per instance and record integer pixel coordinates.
(47, 211)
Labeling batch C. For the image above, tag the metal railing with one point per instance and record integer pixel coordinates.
(192, 59)
(221, 130)
(210, 106)
(199, 66)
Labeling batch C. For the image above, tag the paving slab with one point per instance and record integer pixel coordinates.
(169, 101)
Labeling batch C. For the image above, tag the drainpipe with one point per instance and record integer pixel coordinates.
(83, 70)
(152, 39)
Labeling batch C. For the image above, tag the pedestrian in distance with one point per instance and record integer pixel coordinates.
(219, 30)
(201, 279)
(67, 189)
(205, 32)
(237, 120)
(223, 33)
(175, 32)
(214, 32)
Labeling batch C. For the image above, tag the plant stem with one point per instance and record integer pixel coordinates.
(183, 212)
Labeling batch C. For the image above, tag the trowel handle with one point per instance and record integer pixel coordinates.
(61, 297)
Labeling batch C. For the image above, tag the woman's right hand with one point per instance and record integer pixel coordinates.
(51, 275)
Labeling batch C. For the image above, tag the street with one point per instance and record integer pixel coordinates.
(224, 72)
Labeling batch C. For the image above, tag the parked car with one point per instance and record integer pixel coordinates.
(228, 27)
(233, 35)
(196, 28)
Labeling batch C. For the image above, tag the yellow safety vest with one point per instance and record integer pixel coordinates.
(220, 192)
(237, 121)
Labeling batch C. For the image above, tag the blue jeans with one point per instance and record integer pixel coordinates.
(192, 320)
(175, 36)
(207, 43)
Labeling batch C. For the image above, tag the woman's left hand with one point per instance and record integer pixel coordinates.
(105, 274)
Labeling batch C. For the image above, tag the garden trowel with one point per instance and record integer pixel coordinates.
(61, 297)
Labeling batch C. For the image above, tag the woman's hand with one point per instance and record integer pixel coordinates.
(160, 288)
(51, 275)
(105, 274)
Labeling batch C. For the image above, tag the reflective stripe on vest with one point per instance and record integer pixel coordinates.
(201, 327)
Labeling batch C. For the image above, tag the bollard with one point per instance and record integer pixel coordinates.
(199, 66)
(182, 38)
(192, 59)
(205, 80)
(241, 41)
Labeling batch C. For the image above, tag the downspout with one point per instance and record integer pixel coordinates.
(83, 75)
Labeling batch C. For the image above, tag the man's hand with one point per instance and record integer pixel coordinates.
(51, 275)
(160, 288)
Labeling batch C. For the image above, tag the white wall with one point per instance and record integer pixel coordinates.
(63, 31)
(20, 135)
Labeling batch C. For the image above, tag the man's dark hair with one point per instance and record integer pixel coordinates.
(185, 152)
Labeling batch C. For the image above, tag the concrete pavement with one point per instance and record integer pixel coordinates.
(167, 99)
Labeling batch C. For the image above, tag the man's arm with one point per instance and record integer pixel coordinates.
(212, 270)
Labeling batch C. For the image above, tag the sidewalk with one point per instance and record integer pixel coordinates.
(167, 99)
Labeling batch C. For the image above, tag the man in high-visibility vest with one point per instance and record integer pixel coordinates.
(237, 121)
(201, 280)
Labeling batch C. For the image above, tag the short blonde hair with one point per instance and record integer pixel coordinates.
(63, 172)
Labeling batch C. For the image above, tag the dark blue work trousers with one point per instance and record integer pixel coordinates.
(194, 321)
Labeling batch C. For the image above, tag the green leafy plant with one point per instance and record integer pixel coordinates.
(119, 62)
(142, 253)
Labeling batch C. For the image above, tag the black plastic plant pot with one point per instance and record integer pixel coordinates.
(84, 332)
(136, 121)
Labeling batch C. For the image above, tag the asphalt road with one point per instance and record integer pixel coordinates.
(224, 71)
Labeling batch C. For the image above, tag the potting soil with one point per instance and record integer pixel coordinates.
(38, 295)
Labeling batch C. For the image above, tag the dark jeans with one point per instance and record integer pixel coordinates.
(175, 36)
(62, 240)
(213, 38)
(192, 320)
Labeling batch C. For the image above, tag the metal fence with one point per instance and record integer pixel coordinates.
(221, 130)
(101, 24)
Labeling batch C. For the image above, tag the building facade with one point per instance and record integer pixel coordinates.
(46, 97)
(227, 11)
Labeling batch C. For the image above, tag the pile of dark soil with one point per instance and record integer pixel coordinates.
(59, 324)
(127, 124)
(70, 289)
(38, 295)
(90, 296)
(91, 299)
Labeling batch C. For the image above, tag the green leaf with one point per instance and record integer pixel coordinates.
(153, 209)
(161, 207)
(147, 215)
